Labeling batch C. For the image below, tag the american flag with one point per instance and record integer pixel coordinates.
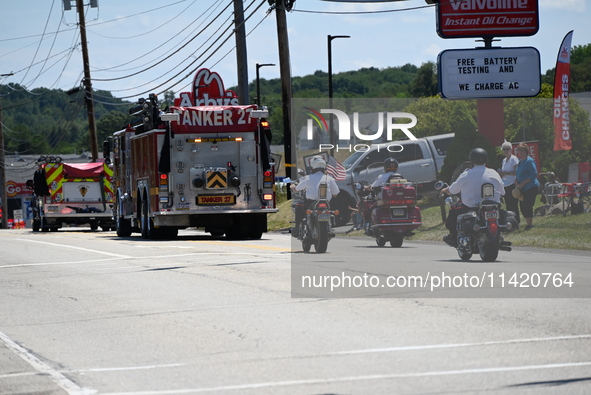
(335, 169)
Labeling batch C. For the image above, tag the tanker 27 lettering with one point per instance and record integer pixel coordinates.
(216, 117)
(216, 199)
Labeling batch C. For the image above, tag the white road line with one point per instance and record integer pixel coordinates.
(451, 345)
(59, 263)
(130, 258)
(77, 248)
(242, 387)
(90, 370)
(68, 385)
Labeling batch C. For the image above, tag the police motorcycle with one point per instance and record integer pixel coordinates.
(479, 230)
(316, 227)
(390, 213)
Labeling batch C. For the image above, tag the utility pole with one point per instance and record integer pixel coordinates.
(3, 194)
(333, 140)
(87, 83)
(241, 58)
(286, 94)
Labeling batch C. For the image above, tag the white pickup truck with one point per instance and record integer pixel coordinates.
(419, 161)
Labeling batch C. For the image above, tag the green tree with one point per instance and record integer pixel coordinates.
(109, 124)
(425, 82)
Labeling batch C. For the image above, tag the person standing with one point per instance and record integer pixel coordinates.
(526, 182)
(507, 173)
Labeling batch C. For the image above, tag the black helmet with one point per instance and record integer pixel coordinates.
(390, 164)
(478, 156)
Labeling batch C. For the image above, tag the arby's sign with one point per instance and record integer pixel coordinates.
(208, 90)
(209, 107)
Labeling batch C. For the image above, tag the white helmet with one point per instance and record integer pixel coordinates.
(317, 163)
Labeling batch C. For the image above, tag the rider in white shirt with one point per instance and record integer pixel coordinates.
(310, 185)
(390, 171)
(469, 186)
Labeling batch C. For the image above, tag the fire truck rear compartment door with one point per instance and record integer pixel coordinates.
(248, 162)
(81, 191)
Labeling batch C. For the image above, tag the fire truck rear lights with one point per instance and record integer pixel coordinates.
(163, 176)
(268, 196)
(214, 139)
(267, 173)
(164, 200)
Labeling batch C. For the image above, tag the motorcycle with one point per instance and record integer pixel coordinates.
(316, 227)
(479, 230)
(391, 211)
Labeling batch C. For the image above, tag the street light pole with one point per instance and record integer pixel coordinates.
(258, 66)
(333, 140)
(3, 193)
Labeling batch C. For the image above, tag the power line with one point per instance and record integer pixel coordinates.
(193, 62)
(40, 41)
(364, 12)
(175, 52)
(111, 69)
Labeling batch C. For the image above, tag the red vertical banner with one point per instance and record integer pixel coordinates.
(562, 132)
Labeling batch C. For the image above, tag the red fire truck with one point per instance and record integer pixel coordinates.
(71, 193)
(204, 162)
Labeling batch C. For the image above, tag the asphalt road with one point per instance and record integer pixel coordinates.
(86, 312)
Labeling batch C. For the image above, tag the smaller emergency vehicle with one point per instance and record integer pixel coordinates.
(72, 194)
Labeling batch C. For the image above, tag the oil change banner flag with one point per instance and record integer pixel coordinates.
(562, 132)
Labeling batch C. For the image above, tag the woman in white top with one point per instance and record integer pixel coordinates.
(507, 173)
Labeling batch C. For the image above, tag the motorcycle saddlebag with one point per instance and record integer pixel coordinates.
(401, 193)
(466, 222)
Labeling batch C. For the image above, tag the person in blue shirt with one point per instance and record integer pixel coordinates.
(526, 181)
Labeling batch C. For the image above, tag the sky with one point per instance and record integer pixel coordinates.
(137, 47)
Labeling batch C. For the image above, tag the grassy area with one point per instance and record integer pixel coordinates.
(551, 231)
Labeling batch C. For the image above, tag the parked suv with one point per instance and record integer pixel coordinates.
(419, 161)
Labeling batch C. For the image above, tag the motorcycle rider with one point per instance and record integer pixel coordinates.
(469, 185)
(390, 171)
(310, 186)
